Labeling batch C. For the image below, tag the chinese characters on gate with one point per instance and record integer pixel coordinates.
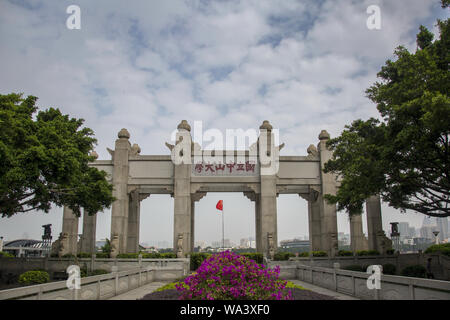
(231, 168)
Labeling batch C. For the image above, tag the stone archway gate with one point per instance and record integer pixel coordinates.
(135, 177)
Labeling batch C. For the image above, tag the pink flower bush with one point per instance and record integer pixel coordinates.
(229, 276)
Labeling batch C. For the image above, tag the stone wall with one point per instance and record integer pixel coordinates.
(440, 264)
(355, 283)
(15, 266)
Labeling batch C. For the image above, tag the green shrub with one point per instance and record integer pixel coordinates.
(355, 267)
(367, 253)
(197, 259)
(283, 256)
(68, 255)
(127, 255)
(303, 254)
(34, 277)
(5, 255)
(390, 251)
(344, 253)
(319, 254)
(102, 255)
(443, 248)
(257, 257)
(417, 271)
(168, 255)
(389, 268)
(291, 285)
(84, 255)
(98, 272)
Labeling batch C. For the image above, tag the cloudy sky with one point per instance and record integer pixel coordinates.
(146, 65)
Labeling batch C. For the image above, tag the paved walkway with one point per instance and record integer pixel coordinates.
(138, 293)
(328, 292)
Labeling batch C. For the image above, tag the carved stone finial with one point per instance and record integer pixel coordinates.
(184, 125)
(312, 150)
(94, 154)
(135, 149)
(266, 125)
(124, 134)
(324, 135)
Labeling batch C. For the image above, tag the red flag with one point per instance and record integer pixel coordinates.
(219, 205)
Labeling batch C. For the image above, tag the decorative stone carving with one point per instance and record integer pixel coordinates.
(312, 151)
(180, 246)
(114, 246)
(383, 242)
(123, 134)
(266, 126)
(135, 150)
(63, 244)
(334, 244)
(324, 135)
(250, 195)
(197, 196)
(184, 125)
(94, 154)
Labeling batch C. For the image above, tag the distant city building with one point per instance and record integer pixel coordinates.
(27, 248)
(343, 239)
(442, 227)
(303, 245)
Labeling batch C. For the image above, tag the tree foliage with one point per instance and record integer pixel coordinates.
(44, 158)
(404, 156)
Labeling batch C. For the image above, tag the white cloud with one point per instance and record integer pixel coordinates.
(147, 65)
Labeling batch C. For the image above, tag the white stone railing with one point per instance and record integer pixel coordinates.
(92, 288)
(354, 283)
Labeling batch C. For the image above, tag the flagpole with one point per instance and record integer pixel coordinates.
(223, 232)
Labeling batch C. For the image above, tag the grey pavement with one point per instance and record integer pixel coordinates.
(328, 292)
(140, 292)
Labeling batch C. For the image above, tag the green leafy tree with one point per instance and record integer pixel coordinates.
(44, 158)
(107, 246)
(405, 156)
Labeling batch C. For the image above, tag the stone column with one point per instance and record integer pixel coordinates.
(194, 198)
(182, 192)
(374, 222)
(119, 211)
(258, 231)
(134, 216)
(89, 231)
(192, 225)
(357, 238)
(314, 220)
(70, 229)
(329, 241)
(268, 196)
(256, 198)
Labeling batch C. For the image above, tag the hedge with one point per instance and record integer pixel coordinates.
(367, 253)
(319, 254)
(197, 259)
(417, 271)
(443, 248)
(258, 257)
(344, 253)
(6, 255)
(34, 277)
(355, 267)
(389, 268)
(283, 256)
